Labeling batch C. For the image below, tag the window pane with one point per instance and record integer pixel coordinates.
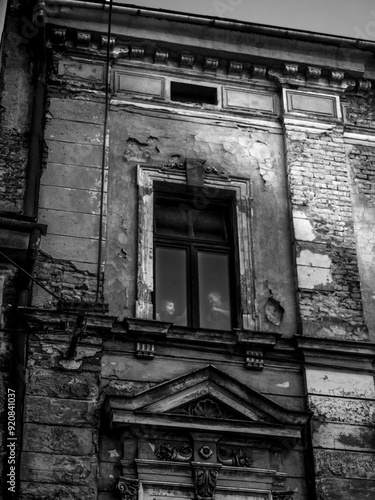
(170, 285)
(214, 298)
(209, 225)
(171, 220)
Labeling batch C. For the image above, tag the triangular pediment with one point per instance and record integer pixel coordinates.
(206, 399)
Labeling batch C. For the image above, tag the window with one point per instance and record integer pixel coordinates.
(189, 257)
(194, 259)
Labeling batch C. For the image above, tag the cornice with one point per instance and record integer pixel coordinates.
(54, 7)
(211, 64)
(337, 354)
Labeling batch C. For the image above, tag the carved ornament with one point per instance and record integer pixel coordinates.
(104, 42)
(313, 72)
(59, 35)
(364, 85)
(282, 495)
(290, 69)
(337, 76)
(258, 71)
(254, 360)
(205, 452)
(137, 52)
(161, 56)
(83, 38)
(211, 63)
(205, 480)
(186, 60)
(128, 488)
(207, 169)
(145, 350)
(235, 67)
(233, 458)
(204, 408)
(170, 453)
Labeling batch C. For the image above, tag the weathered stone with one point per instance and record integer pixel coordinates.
(58, 469)
(76, 109)
(340, 489)
(62, 385)
(60, 411)
(340, 384)
(350, 411)
(59, 439)
(45, 491)
(343, 436)
(345, 464)
(71, 131)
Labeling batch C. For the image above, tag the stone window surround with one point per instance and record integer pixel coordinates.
(175, 173)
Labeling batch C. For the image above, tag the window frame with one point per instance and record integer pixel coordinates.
(222, 202)
(175, 174)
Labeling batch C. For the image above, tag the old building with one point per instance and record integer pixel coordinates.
(187, 238)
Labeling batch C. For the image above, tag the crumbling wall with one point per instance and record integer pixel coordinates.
(359, 117)
(71, 201)
(327, 266)
(15, 113)
(139, 136)
(62, 409)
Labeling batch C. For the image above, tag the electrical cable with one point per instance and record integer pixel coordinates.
(106, 107)
(60, 299)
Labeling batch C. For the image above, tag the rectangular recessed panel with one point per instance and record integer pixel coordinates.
(243, 99)
(318, 104)
(81, 70)
(191, 93)
(139, 84)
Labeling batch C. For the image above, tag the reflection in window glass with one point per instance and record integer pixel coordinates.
(209, 225)
(171, 220)
(170, 285)
(214, 300)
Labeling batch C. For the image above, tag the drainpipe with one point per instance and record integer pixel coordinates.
(35, 151)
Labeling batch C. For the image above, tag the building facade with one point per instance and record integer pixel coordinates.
(187, 238)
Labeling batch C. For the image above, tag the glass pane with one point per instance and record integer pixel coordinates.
(170, 220)
(209, 225)
(214, 298)
(170, 285)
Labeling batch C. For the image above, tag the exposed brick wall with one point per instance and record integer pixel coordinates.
(320, 188)
(360, 109)
(362, 160)
(13, 162)
(63, 279)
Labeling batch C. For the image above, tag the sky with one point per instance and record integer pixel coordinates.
(349, 18)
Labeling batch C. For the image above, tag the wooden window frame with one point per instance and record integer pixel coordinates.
(240, 188)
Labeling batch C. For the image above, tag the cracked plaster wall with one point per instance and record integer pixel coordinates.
(140, 137)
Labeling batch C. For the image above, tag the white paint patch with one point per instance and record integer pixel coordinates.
(303, 229)
(314, 259)
(152, 446)
(113, 453)
(283, 385)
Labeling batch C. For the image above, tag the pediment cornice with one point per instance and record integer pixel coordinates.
(240, 409)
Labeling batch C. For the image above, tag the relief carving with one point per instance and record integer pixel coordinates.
(128, 488)
(282, 495)
(204, 408)
(233, 458)
(168, 452)
(205, 480)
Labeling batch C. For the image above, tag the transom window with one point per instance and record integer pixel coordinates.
(194, 264)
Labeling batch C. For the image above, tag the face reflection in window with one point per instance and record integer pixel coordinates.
(170, 278)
